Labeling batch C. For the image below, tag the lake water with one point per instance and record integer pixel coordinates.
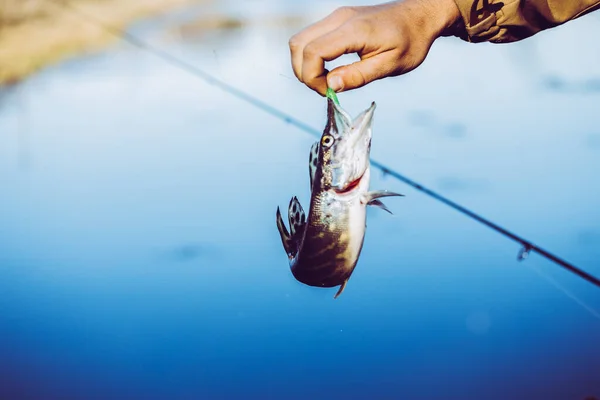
(139, 256)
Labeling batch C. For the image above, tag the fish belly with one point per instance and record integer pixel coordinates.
(331, 246)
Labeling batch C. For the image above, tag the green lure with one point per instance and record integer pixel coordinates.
(331, 94)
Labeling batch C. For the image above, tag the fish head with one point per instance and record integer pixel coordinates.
(344, 149)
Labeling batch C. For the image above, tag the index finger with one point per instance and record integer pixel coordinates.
(308, 34)
(326, 48)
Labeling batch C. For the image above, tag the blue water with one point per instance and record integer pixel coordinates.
(139, 257)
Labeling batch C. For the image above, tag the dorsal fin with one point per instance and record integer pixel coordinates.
(286, 239)
(312, 161)
(297, 220)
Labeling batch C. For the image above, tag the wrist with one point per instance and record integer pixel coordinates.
(435, 17)
(449, 15)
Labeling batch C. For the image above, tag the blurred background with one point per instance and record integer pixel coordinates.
(139, 255)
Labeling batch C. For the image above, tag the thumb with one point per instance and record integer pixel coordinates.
(362, 72)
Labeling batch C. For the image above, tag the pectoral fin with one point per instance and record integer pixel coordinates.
(370, 198)
(378, 203)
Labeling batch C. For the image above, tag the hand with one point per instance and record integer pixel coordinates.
(391, 39)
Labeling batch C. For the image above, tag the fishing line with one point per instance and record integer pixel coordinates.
(565, 291)
(527, 245)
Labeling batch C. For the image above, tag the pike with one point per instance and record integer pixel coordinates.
(323, 248)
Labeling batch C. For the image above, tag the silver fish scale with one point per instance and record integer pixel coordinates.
(326, 259)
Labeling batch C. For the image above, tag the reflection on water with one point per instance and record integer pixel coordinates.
(194, 251)
(559, 84)
(5, 94)
(455, 130)
(453, 183)
(17, 130)
(427, 121)
(141, 169)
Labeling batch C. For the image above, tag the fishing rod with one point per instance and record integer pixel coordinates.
(527, 245)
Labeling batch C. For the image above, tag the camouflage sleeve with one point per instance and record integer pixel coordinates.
(503, 21)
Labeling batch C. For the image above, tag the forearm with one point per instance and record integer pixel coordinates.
(503, 21)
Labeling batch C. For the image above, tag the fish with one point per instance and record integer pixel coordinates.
(323, 246)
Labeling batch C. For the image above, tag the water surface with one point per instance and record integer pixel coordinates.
(140, 257)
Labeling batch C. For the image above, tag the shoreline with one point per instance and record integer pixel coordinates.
(54, 33)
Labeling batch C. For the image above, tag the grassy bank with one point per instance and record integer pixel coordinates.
(37, 33)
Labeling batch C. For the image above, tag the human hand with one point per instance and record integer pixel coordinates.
(391, 39)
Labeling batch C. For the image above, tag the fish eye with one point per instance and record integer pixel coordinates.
(327, 141)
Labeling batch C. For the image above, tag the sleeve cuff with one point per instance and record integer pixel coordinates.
(482, 20)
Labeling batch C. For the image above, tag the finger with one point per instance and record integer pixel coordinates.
(328, 47)
(320, 28)
(362, 72)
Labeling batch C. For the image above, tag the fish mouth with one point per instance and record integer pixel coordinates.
(350, 156)
(365, 119)
(351, 186)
